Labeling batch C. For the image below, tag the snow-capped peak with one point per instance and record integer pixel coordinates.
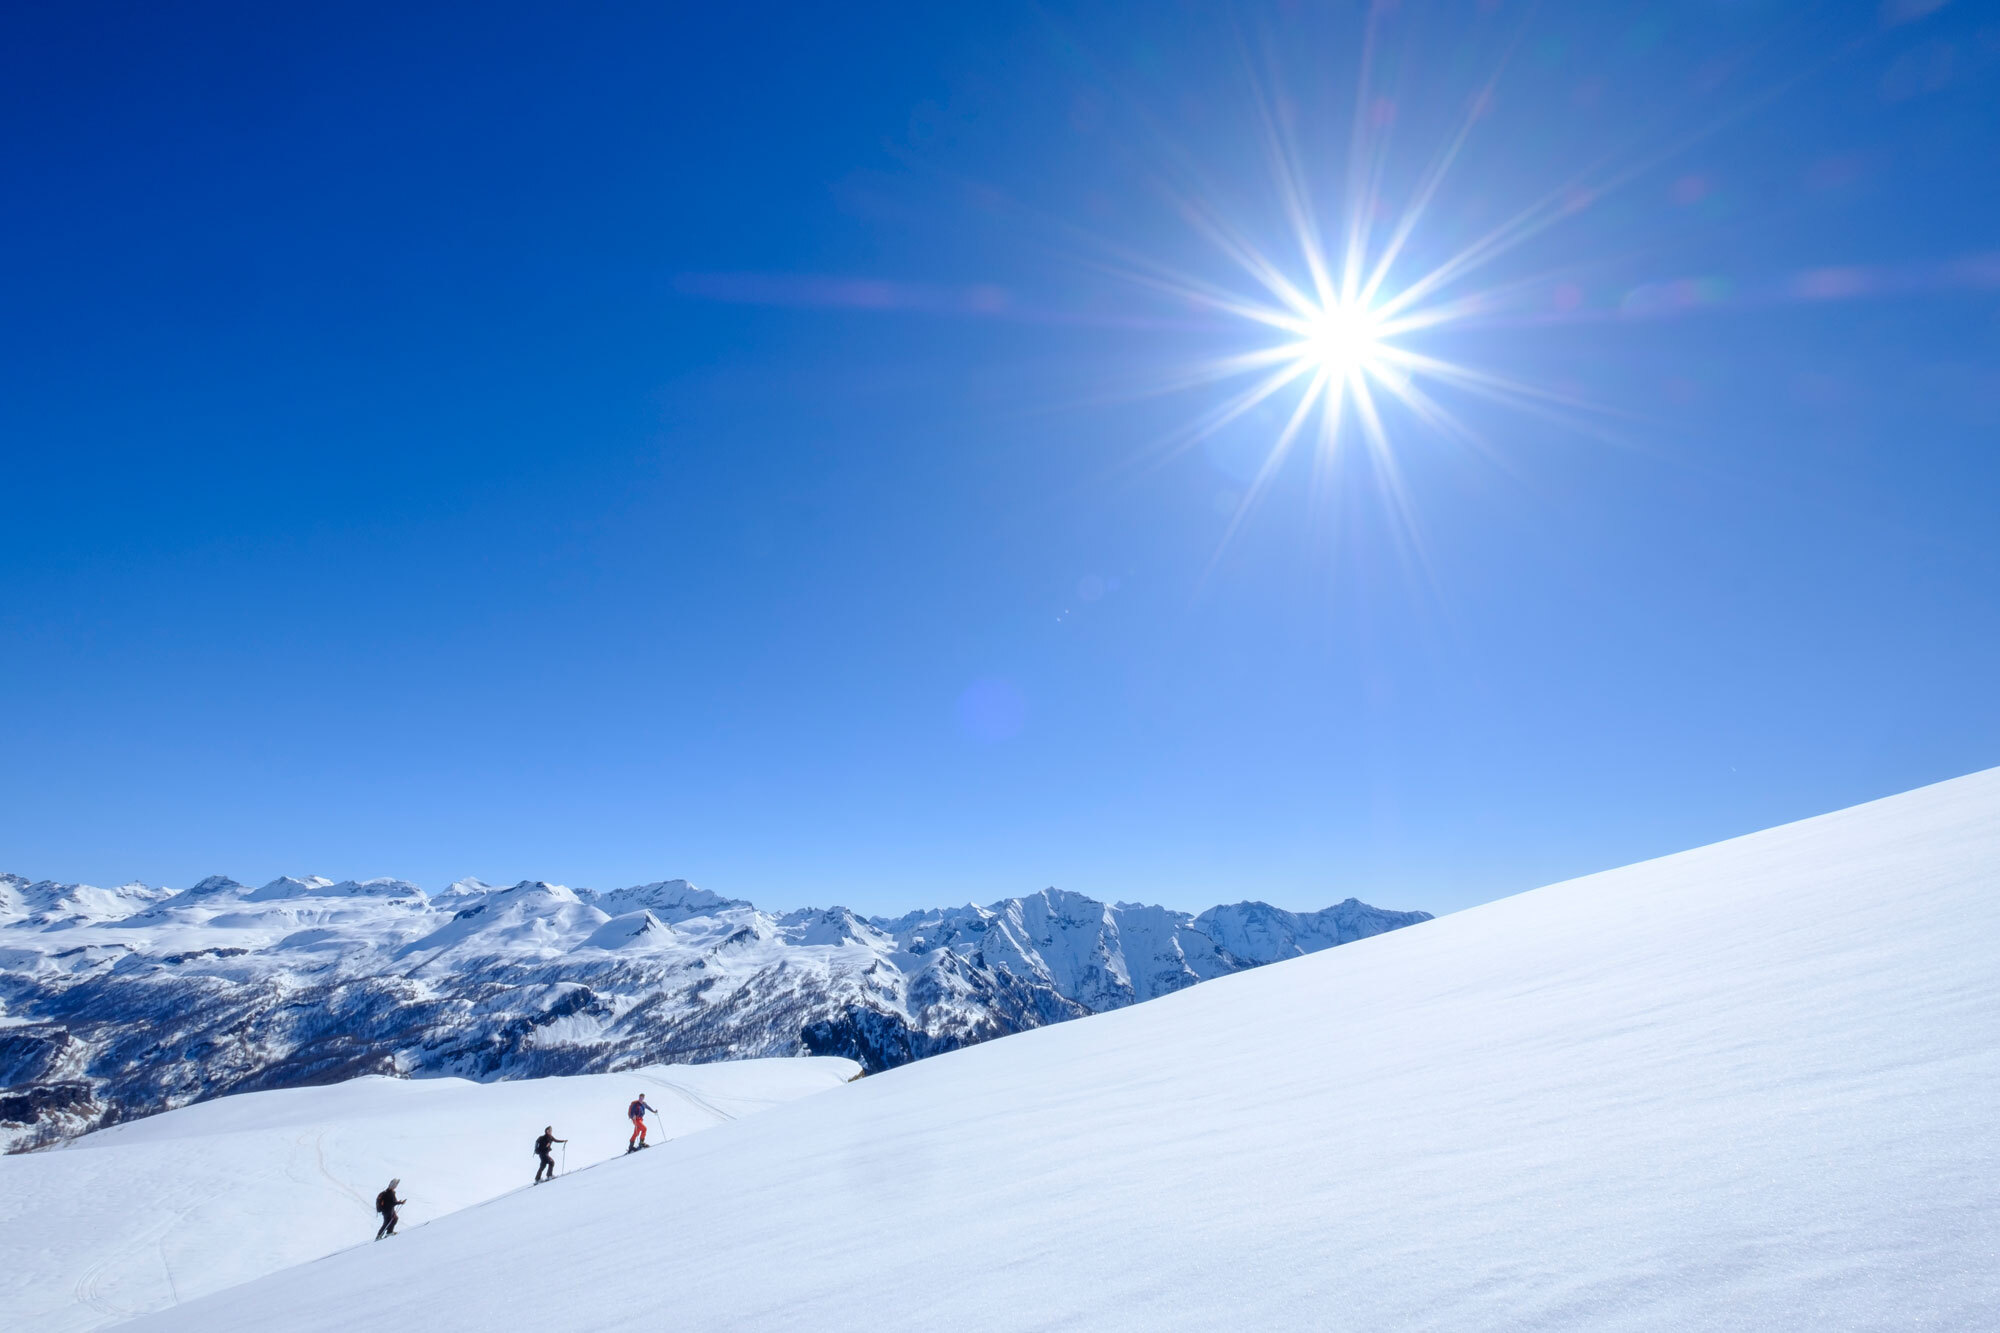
(289, 886)
(633, 930)
(669, 899)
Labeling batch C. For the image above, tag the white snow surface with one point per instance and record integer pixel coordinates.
(142, 1215)
(1747, 1086)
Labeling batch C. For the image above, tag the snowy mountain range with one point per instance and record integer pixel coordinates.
(121, 1002)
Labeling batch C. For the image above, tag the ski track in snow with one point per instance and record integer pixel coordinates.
(319, 1161)
(692, 1099)
(90, 1287)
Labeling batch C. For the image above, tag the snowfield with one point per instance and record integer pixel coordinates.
(141, 1215)
(1751, 1086)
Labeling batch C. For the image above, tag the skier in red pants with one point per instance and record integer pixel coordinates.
(637, 1110)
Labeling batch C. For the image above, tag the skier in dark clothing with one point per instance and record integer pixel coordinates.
(637, 1111)
(386, 1203)
(545, 1149)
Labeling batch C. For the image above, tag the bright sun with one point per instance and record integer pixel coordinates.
(1341, 340)
(1339, 329)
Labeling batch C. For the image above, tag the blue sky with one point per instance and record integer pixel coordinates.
(663, 442)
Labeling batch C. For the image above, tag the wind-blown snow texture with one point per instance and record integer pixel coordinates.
(1748, 1087)
(123, 1002)
(143, 1215)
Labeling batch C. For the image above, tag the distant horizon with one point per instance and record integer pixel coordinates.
(891, 912)
(258, 883)
(596, 891)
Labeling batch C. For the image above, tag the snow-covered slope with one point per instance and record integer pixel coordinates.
(124, 1002)
(1750, 1086)
(165, 1209)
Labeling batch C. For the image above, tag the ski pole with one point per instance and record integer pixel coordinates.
(565, 1169)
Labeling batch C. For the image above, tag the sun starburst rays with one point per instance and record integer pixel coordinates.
(1342, 332)
(1335, 348)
